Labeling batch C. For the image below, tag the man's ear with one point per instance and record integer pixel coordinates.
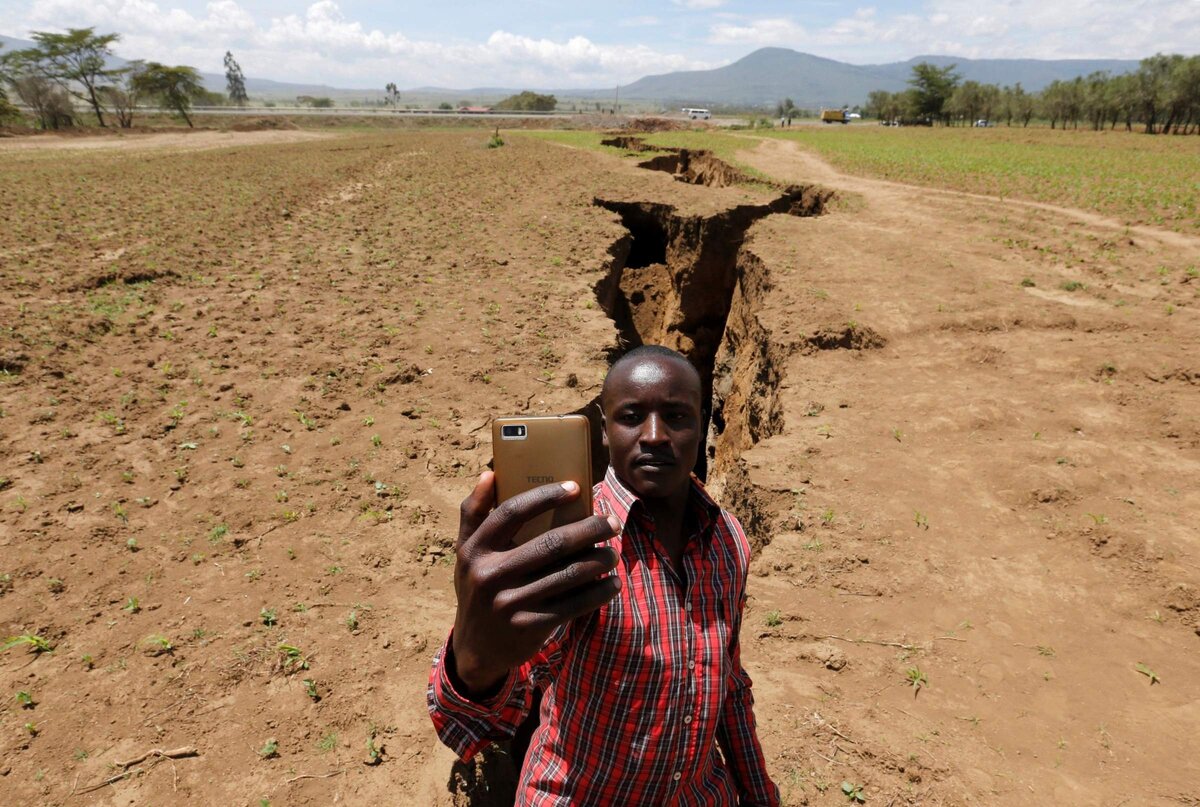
(603, 430)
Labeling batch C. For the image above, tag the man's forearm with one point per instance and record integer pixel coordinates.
(466, 722)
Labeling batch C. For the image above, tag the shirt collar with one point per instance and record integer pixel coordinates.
(622, 500)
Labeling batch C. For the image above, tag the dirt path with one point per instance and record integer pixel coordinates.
(784, 159)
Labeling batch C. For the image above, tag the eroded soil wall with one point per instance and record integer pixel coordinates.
(688, 282)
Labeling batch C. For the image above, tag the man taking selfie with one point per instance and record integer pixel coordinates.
(627, 622)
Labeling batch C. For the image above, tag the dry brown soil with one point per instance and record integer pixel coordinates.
(176, 141)
(948, 476)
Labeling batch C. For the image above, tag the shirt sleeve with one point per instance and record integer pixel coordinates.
(467, 726)
(737, 733)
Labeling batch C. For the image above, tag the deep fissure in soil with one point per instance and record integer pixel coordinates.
(687, 282)
(697, 167)
(693, 166)
(632, 144)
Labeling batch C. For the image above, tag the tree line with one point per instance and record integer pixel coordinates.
(1162, 95)
(75, 65)
(528, 101)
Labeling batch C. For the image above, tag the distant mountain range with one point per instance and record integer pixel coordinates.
(760, 79)
(769, 75)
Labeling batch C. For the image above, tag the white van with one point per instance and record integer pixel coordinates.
(695, 113)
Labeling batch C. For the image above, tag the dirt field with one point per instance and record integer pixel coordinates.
(242, 391)
(175, 141)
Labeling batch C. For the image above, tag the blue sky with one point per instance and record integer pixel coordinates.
(355, 43)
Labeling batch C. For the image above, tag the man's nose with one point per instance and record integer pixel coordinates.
(654, 431)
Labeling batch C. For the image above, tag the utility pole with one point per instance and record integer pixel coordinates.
(617, 101)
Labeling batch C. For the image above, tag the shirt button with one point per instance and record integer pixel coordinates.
(687, 606)
(677, 776)
(687, 718)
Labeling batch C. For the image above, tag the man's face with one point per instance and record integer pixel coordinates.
(652, 425)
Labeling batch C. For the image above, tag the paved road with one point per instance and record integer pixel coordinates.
(371, 112)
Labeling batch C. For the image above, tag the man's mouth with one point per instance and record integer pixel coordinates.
(654, 462)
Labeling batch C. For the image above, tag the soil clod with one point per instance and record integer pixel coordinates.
(851, 337)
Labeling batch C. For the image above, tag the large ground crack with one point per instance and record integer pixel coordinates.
(697, 168)
(693, 166)
(687, 282)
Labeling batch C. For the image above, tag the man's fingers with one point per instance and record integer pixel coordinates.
(560, 543)
(559, 611)
(580, 571)
(475, 508)
(510, 515)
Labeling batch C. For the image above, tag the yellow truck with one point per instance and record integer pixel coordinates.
(834, 116)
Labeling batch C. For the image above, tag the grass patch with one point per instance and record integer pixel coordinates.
(1138, 179)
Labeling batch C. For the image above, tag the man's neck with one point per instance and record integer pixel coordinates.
(665, 510)
(669, 510)
(670, 524)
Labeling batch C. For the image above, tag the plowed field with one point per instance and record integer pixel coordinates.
(243, 389)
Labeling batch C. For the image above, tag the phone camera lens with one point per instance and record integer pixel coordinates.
(513, 431)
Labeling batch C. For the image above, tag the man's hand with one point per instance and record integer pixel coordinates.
(510, 599)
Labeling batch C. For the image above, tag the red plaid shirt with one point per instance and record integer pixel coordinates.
(645, 700)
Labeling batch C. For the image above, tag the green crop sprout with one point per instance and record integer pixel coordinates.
(37, 643)
(853, 793)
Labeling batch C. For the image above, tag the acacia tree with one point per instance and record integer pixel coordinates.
(527, 100)
(1013, 103)
(965, 102)
(7, 110)
(932, 87)
(1099, 99)
(235, 81)
(876, 101)
(1182, 97)
(174, 87)
(393, 93)
(78, 58)
(122, 96)
(48, 101)
(1152, 78)
(1186, 78)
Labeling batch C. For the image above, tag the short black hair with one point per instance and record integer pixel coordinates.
(651, 352)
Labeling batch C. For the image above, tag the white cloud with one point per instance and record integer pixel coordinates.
(322, 45)
(699, 4)
(773, 31)
(1013, 29)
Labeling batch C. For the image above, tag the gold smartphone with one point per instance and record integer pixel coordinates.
(529, 452)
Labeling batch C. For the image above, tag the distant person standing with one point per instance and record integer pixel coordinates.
(627, 622)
